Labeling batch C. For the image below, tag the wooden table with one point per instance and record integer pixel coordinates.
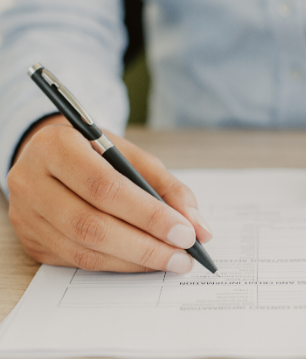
(180, 149)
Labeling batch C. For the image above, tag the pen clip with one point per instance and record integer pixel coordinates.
(52, 80)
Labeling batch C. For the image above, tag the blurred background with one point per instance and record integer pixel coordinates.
(136, 76)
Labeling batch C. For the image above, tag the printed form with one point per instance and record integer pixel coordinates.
(257, 308)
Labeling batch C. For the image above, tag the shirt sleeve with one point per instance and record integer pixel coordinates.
(82, 43)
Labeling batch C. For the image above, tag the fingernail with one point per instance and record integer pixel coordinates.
(206, 234)
(182, 236)
(180, 263)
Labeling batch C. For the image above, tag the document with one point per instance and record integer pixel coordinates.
(256, 309)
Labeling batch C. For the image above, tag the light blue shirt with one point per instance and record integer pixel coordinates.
(227, 63)
(213, 63)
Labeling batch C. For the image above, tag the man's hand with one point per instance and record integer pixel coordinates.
(69, 207)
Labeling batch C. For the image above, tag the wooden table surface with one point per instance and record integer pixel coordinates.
(180, 149)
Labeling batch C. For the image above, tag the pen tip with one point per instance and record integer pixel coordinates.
(217, 274)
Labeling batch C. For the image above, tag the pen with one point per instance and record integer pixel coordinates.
(81, 121)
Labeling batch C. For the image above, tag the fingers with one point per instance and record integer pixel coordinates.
(104, 234)
(175, 194)
(46, 244)
(62, 251)
(87, 174)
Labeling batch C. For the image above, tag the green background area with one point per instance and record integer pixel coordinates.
(136, 78)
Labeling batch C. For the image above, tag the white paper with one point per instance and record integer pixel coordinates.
(256, 309)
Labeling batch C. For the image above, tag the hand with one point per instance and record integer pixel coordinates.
(69, 207)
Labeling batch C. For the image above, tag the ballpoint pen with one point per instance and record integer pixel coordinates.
(81, 121)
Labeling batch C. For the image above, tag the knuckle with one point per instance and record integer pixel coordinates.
(37, 255)
(157, 215)
(97, 187)
(13, 216)
(36, 251)
(86, 259)
(181, 190)
(154, 161)
(16, 219)
(150, 255)
(16, 180)
(104, 189)
(89, 229)
(31, 243)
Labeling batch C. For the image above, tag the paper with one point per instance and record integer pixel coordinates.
(256, 309)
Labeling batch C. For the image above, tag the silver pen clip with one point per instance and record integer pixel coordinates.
(52, 80)
(101, 144)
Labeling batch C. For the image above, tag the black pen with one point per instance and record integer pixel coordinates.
(80, 120)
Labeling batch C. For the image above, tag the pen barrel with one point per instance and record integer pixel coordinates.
(91, 132)
(123, 166)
